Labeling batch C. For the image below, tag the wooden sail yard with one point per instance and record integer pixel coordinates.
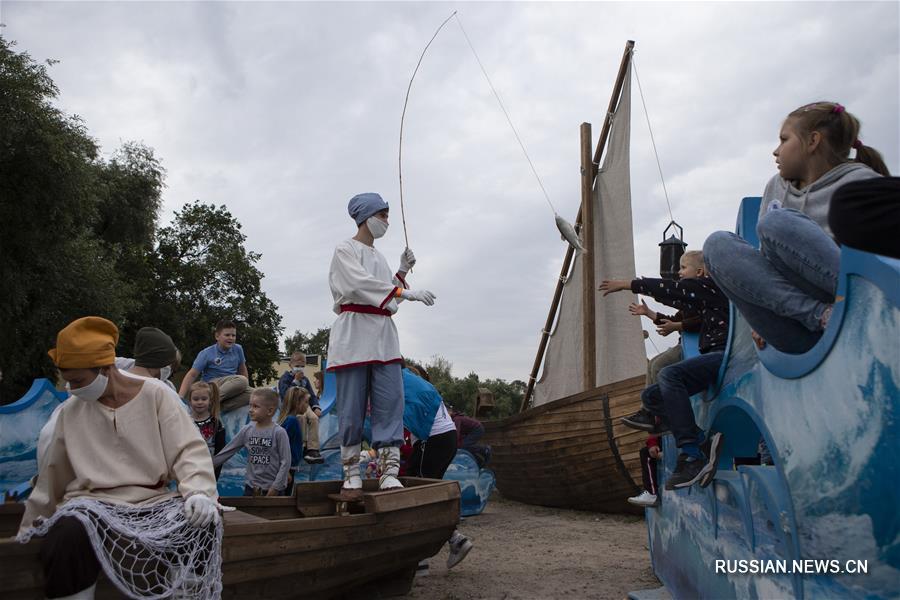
(573, 452)
(295, 546)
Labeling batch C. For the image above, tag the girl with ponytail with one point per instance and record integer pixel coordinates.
(786, 289)
(205, 409)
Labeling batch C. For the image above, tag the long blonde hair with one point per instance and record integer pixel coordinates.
(213, 391)
(293, 399)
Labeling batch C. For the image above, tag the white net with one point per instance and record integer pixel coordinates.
(148, 552)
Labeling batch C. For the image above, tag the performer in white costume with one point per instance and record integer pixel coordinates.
(102, 499)
(363, 348)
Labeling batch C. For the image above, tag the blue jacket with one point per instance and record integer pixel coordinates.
(287, 380)
(295, 436)
(420, 405)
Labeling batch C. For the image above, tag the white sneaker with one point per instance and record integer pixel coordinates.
(645, 499)
(459, 548)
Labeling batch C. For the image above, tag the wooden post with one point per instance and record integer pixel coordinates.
(589, 320)
(567, 261)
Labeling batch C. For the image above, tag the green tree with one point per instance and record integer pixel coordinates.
(53, 267)
(201, 273)
(308, 343)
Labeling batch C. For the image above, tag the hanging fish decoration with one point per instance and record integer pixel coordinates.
(569, 234)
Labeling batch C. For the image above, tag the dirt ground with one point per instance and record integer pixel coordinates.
(531, 552)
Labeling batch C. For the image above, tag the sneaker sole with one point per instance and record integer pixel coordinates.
(708, 473)
(643, 504)
(639, 426)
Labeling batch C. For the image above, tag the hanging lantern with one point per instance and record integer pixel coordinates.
(670, 251)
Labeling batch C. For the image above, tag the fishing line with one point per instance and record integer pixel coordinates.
(403, 116)
(505, 113)
(652, 141)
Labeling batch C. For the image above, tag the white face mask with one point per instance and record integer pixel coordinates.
(376, 226)
(296, 369)
(91, 391)
(165, 373)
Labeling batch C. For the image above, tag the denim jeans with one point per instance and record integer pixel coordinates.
(783, 288)
(670, 397)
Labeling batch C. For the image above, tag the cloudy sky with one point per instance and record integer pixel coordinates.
(284, 110)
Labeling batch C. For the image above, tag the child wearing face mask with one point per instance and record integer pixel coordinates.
(204, 404)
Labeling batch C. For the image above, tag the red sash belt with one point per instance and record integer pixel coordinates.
(365, 308)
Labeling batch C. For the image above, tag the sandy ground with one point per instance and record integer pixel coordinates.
(532, 552)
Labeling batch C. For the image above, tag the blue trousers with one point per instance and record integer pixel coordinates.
(670, 397)
(783, 288)
(378, 385)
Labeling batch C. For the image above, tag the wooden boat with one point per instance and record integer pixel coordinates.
(572, 452)
(296, 547)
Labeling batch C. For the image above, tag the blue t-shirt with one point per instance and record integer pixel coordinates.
(213, 362)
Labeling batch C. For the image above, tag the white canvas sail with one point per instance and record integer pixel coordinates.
(620, 343)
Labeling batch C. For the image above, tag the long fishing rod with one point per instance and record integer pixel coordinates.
(565, 228)
(403, 116)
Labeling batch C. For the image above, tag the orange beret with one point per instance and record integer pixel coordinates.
(86, 343)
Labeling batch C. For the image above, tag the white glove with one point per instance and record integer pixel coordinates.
(200, 510)
(419, 296)
(407, 260)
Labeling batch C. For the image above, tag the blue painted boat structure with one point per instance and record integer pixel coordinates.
(21, 422)
(830, 419)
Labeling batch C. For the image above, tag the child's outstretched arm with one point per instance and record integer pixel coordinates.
(642, 309)
(231, 448)
(684, 294)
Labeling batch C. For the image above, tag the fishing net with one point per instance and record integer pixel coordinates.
(148, 552)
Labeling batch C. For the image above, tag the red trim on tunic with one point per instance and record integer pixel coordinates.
(365, 309)
(389, 297)
(402, 280)
(363, 363)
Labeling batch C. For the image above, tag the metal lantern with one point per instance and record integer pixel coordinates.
(671, 250)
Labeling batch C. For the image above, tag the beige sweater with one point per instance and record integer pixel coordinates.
(126, 455)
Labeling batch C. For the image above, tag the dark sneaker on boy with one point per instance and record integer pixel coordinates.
(644, 420)
(313, 457)
(711, 449)
(688, 470)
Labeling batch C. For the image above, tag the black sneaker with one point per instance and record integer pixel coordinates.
(644, 420)
(688, 471)
(711, 449)
(313, 457)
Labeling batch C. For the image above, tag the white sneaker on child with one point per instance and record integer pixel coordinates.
(459, 548)
(644, 499)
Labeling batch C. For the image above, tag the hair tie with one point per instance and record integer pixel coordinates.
(857, 144)
(838, 109)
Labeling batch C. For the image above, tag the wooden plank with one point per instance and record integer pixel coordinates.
(238, 516)
(379, 502)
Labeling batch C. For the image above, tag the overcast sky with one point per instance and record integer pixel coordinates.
(283, 111)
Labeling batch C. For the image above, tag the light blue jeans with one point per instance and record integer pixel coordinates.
(783, 288)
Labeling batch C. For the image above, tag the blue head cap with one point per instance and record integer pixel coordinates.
(363, 206)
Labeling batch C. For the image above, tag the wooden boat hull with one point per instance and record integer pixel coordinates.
(573, 452)
(296, 547)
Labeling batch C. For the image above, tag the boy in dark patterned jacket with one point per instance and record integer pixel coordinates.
(667, 403)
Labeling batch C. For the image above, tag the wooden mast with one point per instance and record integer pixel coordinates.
(567, 261)
(588, 311)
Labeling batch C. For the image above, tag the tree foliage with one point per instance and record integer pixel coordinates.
(79, 236)
(461, 393)
(308, 343)
(200, 268)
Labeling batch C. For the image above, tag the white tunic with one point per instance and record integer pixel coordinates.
(124, 455)
(360, 274)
